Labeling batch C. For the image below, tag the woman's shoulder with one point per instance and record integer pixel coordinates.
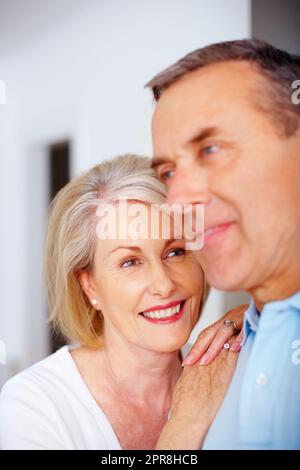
(36, 377)
(37, 383)
(29, 405)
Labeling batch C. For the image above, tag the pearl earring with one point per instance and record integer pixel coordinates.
(94, 301)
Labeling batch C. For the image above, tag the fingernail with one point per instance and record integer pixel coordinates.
(204, 359)
(235, 347)
(190, 358)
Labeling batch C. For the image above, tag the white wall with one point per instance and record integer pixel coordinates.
(76, 69)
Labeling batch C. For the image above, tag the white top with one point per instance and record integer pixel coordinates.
(49, 406)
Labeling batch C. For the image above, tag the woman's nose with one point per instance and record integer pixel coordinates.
(161, 282)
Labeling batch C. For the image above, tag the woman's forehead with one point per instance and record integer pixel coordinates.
(135, 221)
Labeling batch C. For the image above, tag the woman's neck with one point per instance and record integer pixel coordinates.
(137, 374)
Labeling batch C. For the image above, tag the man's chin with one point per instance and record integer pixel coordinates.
(225, 268)
(229, 281)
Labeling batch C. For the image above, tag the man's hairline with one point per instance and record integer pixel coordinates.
(262, 87)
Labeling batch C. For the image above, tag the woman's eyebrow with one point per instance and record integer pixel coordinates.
(126, 247)
(138, 248)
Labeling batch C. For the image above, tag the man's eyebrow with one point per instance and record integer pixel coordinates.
(198, 137)
(202, 134)
(157, 161)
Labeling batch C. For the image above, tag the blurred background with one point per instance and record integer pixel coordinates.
(73, 74)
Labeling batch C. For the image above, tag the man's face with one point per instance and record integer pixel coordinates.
(212, 145)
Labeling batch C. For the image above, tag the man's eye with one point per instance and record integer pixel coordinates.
(128, 263)
(166, 175)
(210, 149)
(176, 252)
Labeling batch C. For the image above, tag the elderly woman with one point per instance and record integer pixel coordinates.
(127, 308)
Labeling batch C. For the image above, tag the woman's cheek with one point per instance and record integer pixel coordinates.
(194, 277)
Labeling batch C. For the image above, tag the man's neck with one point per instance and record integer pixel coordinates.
(279, 288)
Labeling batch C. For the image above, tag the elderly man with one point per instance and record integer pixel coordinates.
(227, 134)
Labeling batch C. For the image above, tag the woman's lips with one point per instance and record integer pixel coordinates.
(163, 307)
(164, 321)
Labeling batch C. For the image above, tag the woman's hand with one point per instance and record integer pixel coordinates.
(212, 339)
(200, 391)
(197, 397)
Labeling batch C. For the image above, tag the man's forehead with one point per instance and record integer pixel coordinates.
(207, 86)
(203, 99)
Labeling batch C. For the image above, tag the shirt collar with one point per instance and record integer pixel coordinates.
(251, 320)
(282, 305)
(252, 315)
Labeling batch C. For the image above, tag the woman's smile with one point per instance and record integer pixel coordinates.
(165, 314)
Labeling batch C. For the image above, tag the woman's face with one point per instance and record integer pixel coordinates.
(149, 290)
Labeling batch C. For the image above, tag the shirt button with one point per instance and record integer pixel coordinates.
(261, 379)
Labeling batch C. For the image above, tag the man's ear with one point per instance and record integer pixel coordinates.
(85, 279)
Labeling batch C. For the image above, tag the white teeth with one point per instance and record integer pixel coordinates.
(166, 313)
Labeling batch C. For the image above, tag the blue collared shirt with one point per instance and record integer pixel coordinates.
(261, 409)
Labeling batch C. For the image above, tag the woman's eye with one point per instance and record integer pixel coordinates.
(128, 263)
(176, 252)
(210, 149)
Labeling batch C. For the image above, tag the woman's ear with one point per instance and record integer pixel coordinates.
(85, 279)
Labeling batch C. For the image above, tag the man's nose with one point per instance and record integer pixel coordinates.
(162, 284)
(188, 186)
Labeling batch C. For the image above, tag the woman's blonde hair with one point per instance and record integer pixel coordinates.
(71, 238)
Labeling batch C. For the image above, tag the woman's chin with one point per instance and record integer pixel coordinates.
(172, 344)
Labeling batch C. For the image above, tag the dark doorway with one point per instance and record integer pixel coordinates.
(59, 176)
